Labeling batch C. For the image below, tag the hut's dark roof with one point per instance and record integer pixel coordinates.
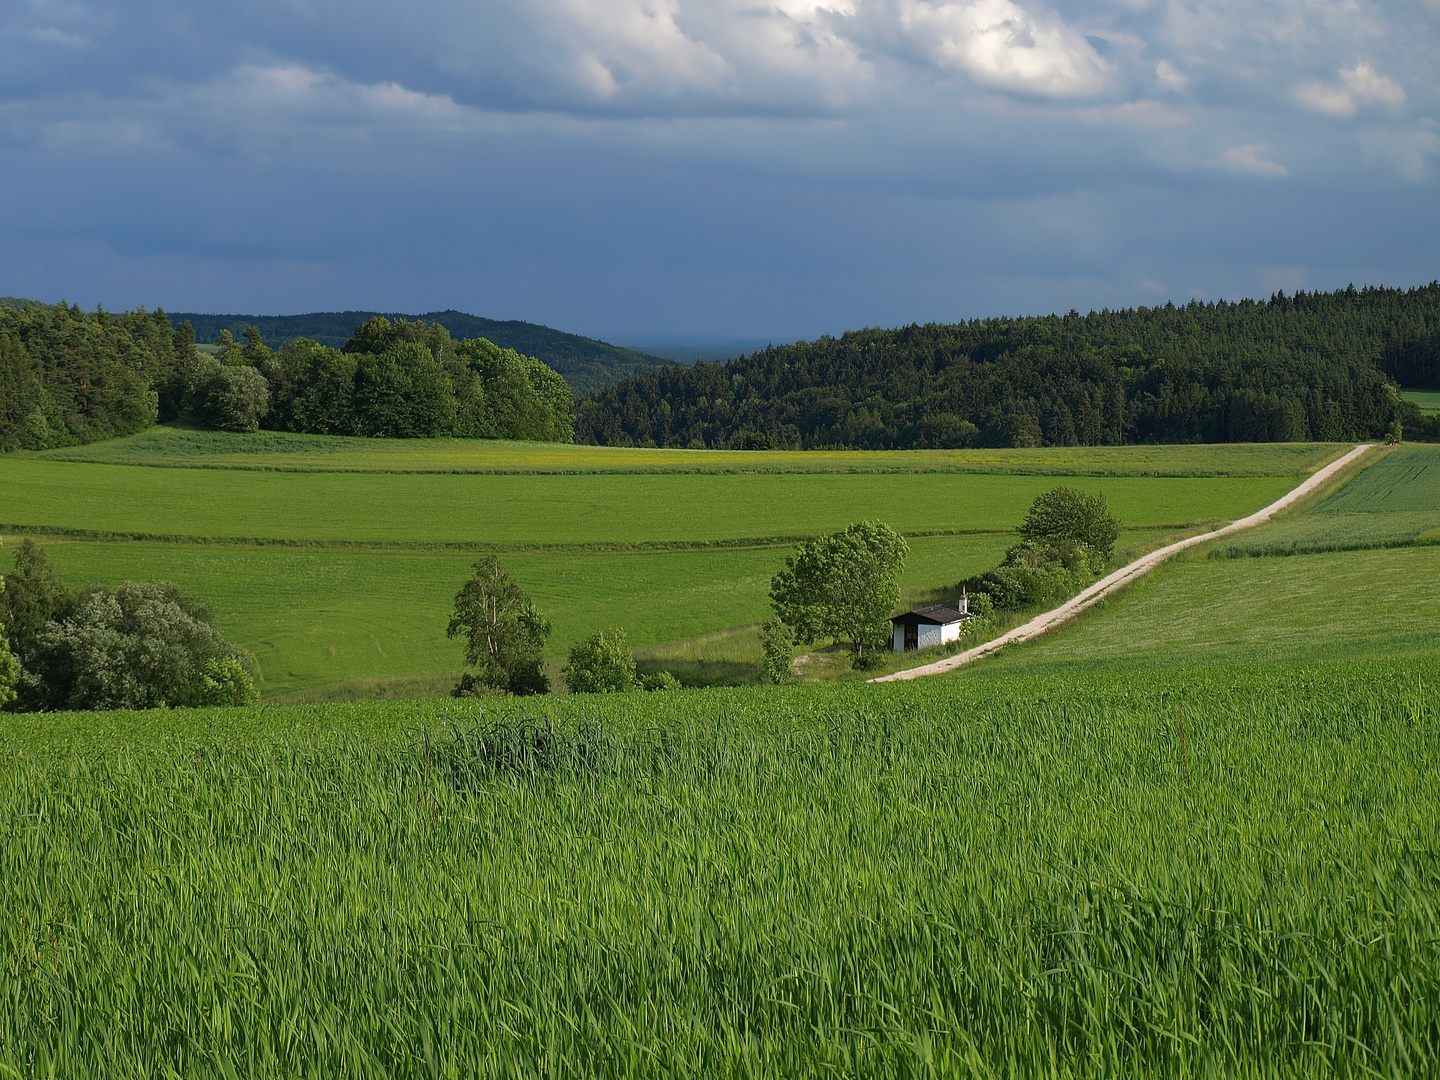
(937, 614)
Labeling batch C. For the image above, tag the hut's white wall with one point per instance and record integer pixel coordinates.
(930, 635)
(897, 642)
(950, 632)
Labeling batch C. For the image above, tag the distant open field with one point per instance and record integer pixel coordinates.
(568, 510)
(188, 448)
(1428, 400)
(340, 581)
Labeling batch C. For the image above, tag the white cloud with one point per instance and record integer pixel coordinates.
(1000, 44)
(1248, 160)
(1171, 77)
(1360, 85)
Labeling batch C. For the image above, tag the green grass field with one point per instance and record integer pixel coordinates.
(568, 510)
(1428, 400)
(1192, 872)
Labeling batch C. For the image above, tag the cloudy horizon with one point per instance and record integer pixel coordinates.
(648, 170)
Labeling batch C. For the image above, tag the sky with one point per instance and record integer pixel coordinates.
(677, 171)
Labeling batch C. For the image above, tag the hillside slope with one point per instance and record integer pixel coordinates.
(585, 363)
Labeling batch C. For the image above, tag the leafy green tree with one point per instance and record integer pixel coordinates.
(776, 640)
(34, 596)
(844, 586)
(504, 633)
(402, 393)
(145, 645)
(601, 664)
(312, 388)
(1064, 513)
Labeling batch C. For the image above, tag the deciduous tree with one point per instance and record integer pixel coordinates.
(844, 585)
(504, 632)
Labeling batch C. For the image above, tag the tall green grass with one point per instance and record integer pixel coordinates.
(1217, 872)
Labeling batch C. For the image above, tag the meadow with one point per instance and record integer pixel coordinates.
(1193, 872)
(341, 580)
(559, 511)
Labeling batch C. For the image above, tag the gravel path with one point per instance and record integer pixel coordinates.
(1105, 586)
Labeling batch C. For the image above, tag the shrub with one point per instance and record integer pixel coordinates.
(661, 680)
(145, 645)
(9, 666)
(601, 664)
(1067, 514)
(776, 641)
(1037, 573)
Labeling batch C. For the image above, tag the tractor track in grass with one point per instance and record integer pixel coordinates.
(1057, 617)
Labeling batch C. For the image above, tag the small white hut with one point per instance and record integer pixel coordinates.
(927, 626)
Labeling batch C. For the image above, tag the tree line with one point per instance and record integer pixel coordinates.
(392, 379)
(69, 376)
(1309, 366)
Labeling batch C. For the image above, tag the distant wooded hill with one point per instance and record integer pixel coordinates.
(1309, 366)
(586, 364)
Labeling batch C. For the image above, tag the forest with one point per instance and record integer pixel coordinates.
(69, 377)
(1308, 366)
(585, 363)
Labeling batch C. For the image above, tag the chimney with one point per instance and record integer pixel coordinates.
(964, 601)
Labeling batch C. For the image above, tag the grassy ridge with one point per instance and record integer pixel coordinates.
(170, 446)
(560, 510)
(983, 876)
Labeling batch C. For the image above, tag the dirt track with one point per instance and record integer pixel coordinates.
(1105, 586)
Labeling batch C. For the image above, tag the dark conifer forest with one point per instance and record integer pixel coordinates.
(1309, 366)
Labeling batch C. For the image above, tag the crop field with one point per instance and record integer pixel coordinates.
(1428, 400)
(1391, 503)
(336, 561)
(1193, 872)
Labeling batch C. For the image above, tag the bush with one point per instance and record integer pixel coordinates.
(145, 645)
(1067, 514)
(601, 664)
(776, 641)
(1035, 573)
(661, 680)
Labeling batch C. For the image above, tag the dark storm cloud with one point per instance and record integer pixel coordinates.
(671, 167)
